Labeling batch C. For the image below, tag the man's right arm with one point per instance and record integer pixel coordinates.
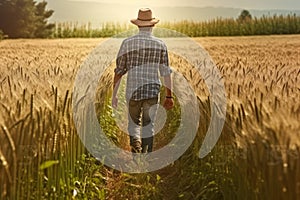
(168, 85)
(169, 103)
(165, 71)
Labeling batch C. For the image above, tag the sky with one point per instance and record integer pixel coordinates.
(246, 4)
(83, 11)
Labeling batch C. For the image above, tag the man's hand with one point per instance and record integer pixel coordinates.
(114, 102)
(169, 103)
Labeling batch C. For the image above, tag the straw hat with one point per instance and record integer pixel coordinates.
(145, 18)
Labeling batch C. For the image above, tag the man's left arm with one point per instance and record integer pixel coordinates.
(116, 84)
(119, 72)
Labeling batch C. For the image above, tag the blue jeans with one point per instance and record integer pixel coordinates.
(141, 117)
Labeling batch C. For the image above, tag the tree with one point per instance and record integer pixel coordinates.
(1, 35)
(25, 19)
(43, 29)
(245, 16)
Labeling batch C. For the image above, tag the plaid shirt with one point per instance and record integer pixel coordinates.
(142, 56)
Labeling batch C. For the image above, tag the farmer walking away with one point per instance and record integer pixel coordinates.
(144, 58)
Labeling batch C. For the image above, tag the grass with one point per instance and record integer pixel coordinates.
(257, 156)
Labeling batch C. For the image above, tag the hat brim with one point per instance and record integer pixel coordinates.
(144, 23)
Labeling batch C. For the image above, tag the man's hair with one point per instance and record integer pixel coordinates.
(146, 28)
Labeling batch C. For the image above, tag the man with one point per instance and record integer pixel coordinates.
(143, 57)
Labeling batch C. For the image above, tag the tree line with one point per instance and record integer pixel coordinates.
(265, 25)
(244, 25)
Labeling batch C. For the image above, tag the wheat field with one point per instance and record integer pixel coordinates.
(40, 148)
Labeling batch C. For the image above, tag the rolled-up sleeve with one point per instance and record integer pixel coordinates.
(164, 68)
(121, 67)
